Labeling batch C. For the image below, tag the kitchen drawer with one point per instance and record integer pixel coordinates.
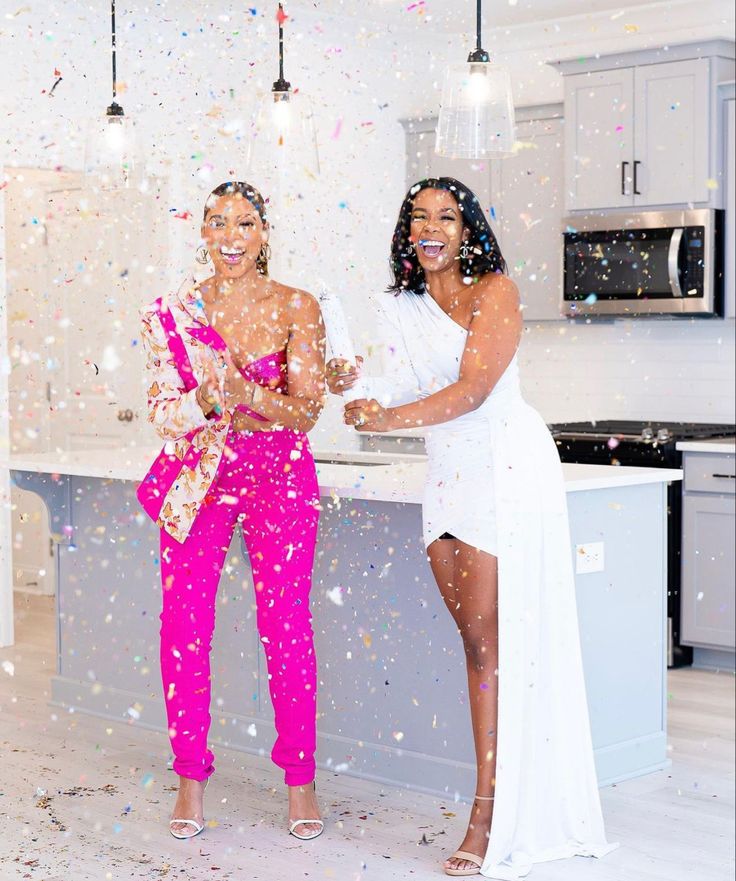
(710, 473)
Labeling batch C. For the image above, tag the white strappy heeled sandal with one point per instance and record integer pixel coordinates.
(465, 855)
(294, 823)
(178, 833)
(198, 827)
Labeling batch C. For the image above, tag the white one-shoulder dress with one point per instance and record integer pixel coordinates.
(495, 482)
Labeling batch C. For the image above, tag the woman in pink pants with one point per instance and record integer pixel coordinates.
(236, 366)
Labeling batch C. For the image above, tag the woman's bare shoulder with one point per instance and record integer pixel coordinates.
(497, 290)
(296, 300)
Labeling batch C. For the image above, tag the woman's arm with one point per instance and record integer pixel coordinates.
(300, 408)
(172, 410)
(493, 338)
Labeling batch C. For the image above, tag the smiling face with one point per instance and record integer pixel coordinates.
(234, 234)
(437, 230)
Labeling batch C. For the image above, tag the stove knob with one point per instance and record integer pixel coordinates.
(664, 435)
(647, 434)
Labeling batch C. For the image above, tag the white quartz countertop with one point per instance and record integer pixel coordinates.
(383, 477)
(712, 445)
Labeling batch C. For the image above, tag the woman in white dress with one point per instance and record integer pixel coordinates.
(495, 528)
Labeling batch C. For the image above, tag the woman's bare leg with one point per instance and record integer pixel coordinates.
(189, 804)
(468, 581)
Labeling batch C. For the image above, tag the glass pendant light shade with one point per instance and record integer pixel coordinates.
(282, 135)
(110, 158)
(477, 112)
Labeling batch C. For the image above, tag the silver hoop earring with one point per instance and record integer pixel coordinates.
(411, 247)
(203, 255)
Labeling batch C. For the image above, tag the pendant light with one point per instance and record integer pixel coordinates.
(110, 145)
(283, 132)
(477, 112)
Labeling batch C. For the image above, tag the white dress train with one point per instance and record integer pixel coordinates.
(495, 482)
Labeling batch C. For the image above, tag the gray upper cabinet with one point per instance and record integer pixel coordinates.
(642, 130)
(708, 559)
(599, 138)
(638, 136)
(671, 133)
(423, 162)
(522, 197)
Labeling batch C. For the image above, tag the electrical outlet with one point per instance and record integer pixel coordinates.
(589, 558)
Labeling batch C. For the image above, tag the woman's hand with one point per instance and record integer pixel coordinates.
(209, 392)
(342, 375)
(370, 416)
(235, 388)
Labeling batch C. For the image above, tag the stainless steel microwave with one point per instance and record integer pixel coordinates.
(648, 263)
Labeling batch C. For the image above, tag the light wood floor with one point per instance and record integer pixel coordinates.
(84, 798)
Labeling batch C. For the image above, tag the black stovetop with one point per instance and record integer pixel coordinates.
(661, 429)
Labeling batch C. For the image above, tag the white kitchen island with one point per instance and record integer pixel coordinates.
(392, 693)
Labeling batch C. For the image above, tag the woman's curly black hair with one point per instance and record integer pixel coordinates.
(484, 253)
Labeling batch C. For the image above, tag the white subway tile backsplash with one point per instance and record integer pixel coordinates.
(676, 370)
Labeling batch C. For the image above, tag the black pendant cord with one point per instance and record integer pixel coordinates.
(114, 109)
(281, 85)
(114, 55)
(478, 54)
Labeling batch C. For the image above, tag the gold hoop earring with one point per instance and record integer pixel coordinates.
(264, 255)
(203, 255)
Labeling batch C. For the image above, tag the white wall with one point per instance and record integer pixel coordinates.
(6, 562)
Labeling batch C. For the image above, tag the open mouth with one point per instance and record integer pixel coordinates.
(232, 255)
(431, 247)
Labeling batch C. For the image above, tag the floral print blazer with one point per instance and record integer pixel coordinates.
(196, 440)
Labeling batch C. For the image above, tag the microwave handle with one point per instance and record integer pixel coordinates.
(673, 263)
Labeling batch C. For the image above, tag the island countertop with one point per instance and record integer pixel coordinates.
(383, 477)
(709, 445)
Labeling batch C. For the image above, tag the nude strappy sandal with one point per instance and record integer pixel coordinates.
(294, 823)
(198, 827)
(465, 855)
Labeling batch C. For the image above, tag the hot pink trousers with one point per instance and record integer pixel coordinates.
(266, 482)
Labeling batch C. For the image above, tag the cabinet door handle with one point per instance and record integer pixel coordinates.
(623, 178)
(637, 163)
(725, 476)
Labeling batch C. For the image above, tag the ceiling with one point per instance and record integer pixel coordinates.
(459, 15)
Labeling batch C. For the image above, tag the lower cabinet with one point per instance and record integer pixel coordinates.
(708, 558)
